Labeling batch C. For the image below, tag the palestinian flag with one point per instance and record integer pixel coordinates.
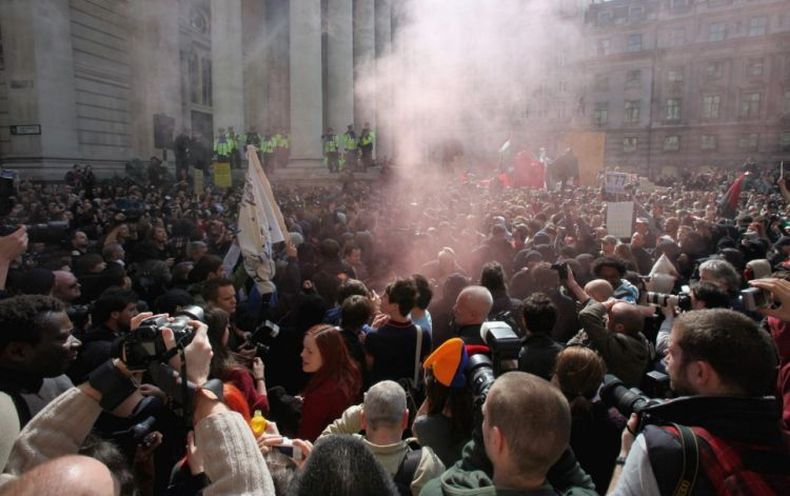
(728, 205)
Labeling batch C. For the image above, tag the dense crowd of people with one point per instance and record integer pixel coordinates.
(374, 366)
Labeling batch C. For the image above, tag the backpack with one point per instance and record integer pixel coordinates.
(407, 468)
(729, 467)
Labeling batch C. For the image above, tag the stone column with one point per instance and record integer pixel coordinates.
(383, 87)
(156, 77)
(364, 63)
(306, 88)
(255, 39)
(227, 76)
(340, 61)
(39, 76)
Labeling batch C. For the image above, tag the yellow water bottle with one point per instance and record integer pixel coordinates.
(258, 423)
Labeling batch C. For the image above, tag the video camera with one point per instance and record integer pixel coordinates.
(481, 370)
(263, 334)
(145, 345)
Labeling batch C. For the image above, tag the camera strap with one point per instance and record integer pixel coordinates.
(690, 446)
(186, 397)
(417, 353)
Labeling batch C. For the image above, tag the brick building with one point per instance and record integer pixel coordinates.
(683, 84)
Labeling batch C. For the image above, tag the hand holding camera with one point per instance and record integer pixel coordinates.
(780, 291)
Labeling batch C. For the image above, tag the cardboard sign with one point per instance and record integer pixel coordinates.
(619, 218)
(222, 175)
(615, 182)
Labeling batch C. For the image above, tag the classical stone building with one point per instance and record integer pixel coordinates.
(679, 84)
(81, 80)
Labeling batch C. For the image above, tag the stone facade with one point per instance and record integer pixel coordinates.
(93, 73)
(683, 84)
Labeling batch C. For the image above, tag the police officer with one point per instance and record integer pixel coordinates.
(331, 150)
(366, 141)
(351, 149)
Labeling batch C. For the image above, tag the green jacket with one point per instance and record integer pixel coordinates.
(625, 356)
(466, 479)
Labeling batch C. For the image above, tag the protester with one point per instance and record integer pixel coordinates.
(164, 239)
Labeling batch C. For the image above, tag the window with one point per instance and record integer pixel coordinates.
(714, 70)
(601, 114)
(786, 102)
(717, 31)
(708, 142)
(601, 82)
(633, 78)
(757, 26)
(755, 67)
(675, 74)
(634, 42)
(604, 17)
(629, 144)
(750, 104)
(710, 106)
(632, 111)
(672, 109)
(199, 70)
(748, 142)
(604, 46)
(206, 81)
(193, 69)
(678, 37)
(671, 143)
(784, 141)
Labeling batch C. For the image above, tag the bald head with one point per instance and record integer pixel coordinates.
(74, 475)
(599, 290)
(626, 318)
(472, 305)
(66, 287)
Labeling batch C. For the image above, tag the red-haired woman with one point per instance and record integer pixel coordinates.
(335, 383)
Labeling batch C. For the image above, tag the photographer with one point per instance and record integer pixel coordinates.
(37, 465)
(724, 365)
(704, 295)
(618, 338)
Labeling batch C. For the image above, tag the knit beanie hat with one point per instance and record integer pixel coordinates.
(448, 362)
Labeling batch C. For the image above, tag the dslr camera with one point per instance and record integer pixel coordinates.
(145, 346)
(681, 300)
(633, 400)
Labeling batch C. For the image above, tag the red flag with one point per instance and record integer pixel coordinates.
(728, 206)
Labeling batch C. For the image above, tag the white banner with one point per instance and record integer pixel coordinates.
(260, 225)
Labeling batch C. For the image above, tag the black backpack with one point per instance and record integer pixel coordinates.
(407, 468)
